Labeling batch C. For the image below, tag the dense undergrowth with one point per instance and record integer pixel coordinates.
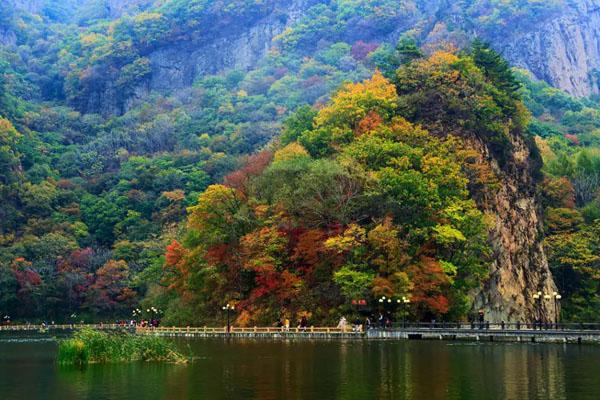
(89, 346)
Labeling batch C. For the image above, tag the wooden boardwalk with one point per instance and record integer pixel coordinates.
(255, 332)
(317, 332)
(462, 332)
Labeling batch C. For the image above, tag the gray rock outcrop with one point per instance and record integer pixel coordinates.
(563, 51)
(519, 267)
(562, 48)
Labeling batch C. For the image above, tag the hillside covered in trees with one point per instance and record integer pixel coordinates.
(338, 150)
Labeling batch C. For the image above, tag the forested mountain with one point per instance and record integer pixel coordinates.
(294, 155)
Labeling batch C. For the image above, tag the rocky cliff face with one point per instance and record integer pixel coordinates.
(562, 48)
(37, 6)
(117, 8)
(519, 267)
(178, 65)
(7, 37)
(31, 6)
(111, 8)
(563, 51)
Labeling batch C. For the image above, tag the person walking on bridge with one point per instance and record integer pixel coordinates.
(303, 323)
(342, 324)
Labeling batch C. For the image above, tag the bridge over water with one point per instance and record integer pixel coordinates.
(563, 333)
(494, 333)
(490, 332)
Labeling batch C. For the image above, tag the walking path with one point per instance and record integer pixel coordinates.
(264, 332)
(490, 335)
(579, 333)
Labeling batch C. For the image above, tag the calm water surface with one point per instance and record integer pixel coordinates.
(245, 369)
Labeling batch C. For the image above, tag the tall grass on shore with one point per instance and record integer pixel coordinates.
(92, 346)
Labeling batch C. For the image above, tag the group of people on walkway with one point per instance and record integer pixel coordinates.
(383, 321)
(285, 323)
(151, 323)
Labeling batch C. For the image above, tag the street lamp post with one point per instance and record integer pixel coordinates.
(383, 301)
(537, 298)
(137, 314)
(546, 297)
(556, 296)
(228, 308)
(404, 302)
(153, 315)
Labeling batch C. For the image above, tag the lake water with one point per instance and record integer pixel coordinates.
(354, 369)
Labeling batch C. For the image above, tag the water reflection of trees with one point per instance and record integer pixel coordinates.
(355, 369)
(441, 370)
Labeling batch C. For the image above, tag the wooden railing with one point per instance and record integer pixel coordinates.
(496, 326)
(247, 330)
(412, 326)
(180, 330)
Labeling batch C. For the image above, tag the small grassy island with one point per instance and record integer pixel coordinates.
(89, 346)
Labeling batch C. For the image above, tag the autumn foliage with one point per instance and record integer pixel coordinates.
(362, 205)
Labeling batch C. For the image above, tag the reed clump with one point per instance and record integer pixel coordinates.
(89, 346)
